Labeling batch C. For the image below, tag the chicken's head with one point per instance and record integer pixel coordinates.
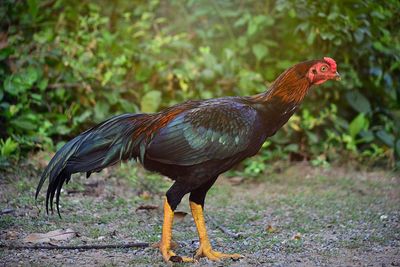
(322, 71)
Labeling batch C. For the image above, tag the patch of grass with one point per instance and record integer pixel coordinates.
(96, 231)
(120, 202)
(6, 221)
(293, 246)
(222, 195)
(353, 243)
(144, 261)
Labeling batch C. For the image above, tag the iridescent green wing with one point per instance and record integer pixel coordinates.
(214, 130)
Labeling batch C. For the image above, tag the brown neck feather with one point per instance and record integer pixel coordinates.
(291, 86)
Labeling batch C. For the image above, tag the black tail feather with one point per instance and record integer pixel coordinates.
(97, 148)
(59, 186)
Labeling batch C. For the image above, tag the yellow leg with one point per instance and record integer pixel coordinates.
(205, 249)
(165, 243)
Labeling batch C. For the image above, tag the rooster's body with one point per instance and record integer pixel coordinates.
(192, 143)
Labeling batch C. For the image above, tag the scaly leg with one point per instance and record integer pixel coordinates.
(205, 249)
(165, 243)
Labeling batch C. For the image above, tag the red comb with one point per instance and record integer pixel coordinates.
(331, 63)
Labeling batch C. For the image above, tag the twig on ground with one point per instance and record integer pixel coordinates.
(83, 247)
(224, 229)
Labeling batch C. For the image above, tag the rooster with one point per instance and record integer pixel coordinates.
(192, 143)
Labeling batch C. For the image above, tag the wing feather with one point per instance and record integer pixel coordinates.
(211, 131)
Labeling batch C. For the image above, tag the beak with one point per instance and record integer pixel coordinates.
(337, 76)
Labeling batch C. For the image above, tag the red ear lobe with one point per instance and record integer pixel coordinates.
(311, 74)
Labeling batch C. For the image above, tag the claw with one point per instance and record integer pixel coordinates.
(170, 256)
(205, 251)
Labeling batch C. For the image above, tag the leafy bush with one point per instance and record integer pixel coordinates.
(65, 65)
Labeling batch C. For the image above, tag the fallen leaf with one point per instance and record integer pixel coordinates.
(145, 195)
(11, 235)
(147, 207)
(297, 236)
(56, 235)
(236, 180)
(94, 188)
(180, 215)
(174, 244)
(271, 229)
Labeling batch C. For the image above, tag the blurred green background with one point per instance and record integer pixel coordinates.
(67, 65)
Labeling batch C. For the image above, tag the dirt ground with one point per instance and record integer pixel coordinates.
(299, 216)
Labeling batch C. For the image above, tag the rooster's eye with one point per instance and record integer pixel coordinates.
(323, 68)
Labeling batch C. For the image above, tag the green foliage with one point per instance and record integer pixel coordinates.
(8, 151)
(150, 101)
(65, 65)
(8, 147)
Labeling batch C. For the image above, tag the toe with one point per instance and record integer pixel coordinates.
(167, 254)
(171, 253)
(209, 254)
(187, 259)
(216, 256)
(170, 256)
